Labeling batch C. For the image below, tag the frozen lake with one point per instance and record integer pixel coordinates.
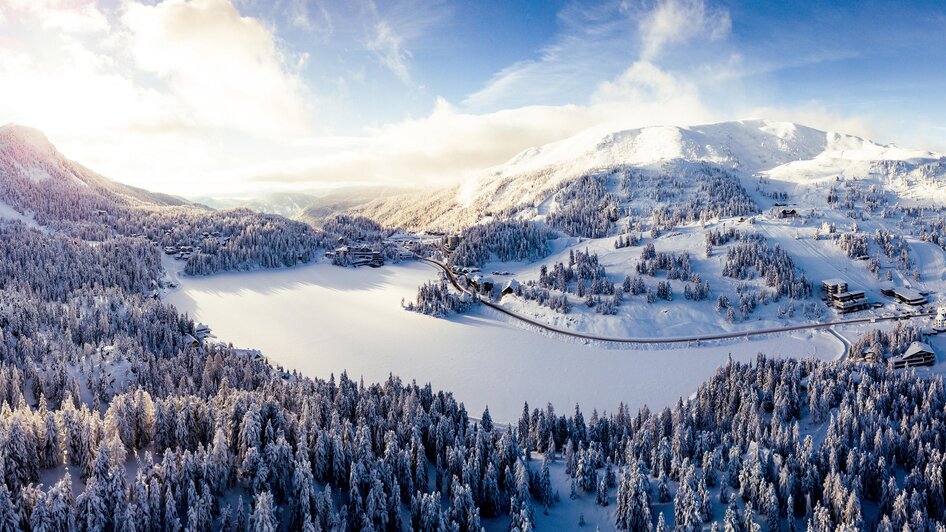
(322, 319)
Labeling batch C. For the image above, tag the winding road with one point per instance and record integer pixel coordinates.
(670, 340)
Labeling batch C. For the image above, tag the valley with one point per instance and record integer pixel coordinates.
(321, 319)
(671, 272)
(491, 266)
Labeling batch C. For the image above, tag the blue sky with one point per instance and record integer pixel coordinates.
(879, 60)
(211, 95)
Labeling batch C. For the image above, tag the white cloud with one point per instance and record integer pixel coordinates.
(226, 69)
(448, 145)
(678, 21)
(298, 11)
(62, 15)
(395, 27)
(593, 42)
(645, 82)
(599, 41)
(169, 96)
(388, 46)
(191, 96)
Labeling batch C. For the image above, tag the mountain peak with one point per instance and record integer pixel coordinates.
(747, 145)
(26, 137)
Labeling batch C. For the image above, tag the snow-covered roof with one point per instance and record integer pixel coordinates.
(511, 284)
(917, 347)
(834, 282)
(908, 293)
(873, 349)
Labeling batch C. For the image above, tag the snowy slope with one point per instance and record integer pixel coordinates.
(28, 158)
(750, 145)
(781, 150)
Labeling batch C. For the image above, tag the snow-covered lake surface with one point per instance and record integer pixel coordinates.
(321, 319)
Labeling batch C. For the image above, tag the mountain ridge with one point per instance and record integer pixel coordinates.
(26, 153)
(751, 148)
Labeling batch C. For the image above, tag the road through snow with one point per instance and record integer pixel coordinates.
(680, 339)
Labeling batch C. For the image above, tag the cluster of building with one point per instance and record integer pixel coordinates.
(905, 295)
(918, 354)
(356, 256)
(480, 283)
(843, 300)
(181, 252)
(201, 333)
(451, 242)
(838, 296)
(184, 251)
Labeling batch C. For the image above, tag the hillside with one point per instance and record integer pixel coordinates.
(42, 188)
(782, 151)
(117, 409)
(27, 158)
(671, 231)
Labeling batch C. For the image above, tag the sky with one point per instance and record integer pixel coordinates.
(196, 97)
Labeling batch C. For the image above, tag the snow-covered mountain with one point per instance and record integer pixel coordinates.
(29, 161)
(779, 150)
(748, 145)
(288, 204)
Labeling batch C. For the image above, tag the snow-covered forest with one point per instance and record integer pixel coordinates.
(753, 256)
(501, 240)
(117, 412)
(683, 194)
(589, 205)
(436, 299)
(587, 208)
(113, 417)
(63, 196)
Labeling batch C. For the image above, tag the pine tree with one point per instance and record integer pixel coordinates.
(571, 460)
(731, 519)
(545, 495)
(550, 449)
(601, 497)
(661, 525)
(486, 422)
(585, 473)
(609, 477)
(263, 518)
(491, 500)
(663, 489)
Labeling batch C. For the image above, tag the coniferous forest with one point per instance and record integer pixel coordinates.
(115, 414)
(113, 419)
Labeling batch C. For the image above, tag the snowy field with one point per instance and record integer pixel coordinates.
(321, 319)
(9, 213)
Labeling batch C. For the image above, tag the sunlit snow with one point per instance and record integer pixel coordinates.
(322, 319)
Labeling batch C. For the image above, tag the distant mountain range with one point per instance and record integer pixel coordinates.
(31, 168)
(779, 150)
(310, 206)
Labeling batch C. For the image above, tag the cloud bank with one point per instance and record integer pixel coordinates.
(197, 96)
